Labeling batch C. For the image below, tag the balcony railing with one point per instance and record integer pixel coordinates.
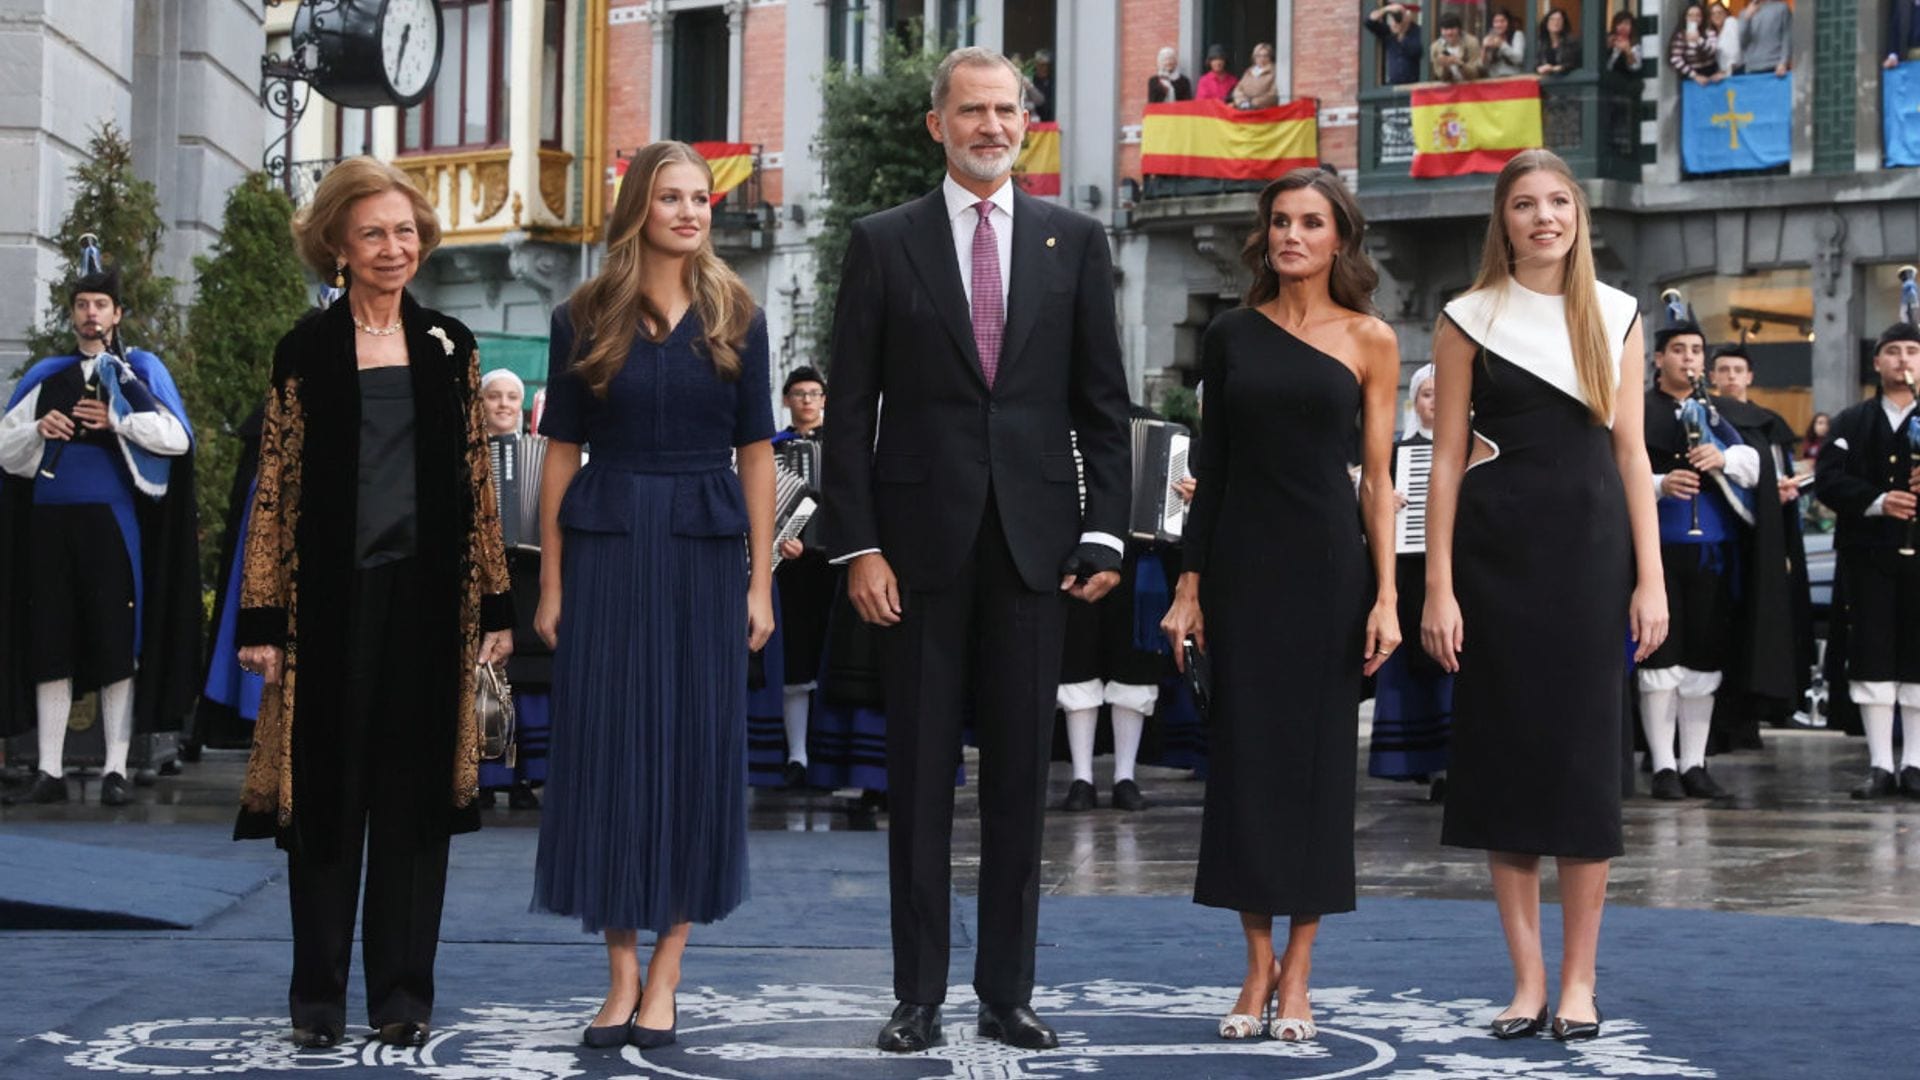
(1591, 121)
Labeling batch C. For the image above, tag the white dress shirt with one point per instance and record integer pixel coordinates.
(965, 219)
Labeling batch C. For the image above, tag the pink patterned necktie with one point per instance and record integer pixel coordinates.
(989, 307)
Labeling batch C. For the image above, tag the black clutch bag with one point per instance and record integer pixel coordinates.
(1199, 675)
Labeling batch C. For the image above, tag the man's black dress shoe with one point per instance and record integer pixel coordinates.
(114, 790)
(1910, 782)
(1016, 1025)
(404, 1033)
(1079, 797)
(1698, 784)
(1666, 785)
(912, 1029)
(1520, 1027)
(1574, 1030)
(315, 1038)
(47, 789)
(1880, 785)
(1126, 796)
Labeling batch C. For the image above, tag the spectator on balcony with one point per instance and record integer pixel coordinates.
(1694, 48)
(1216, 84)
(1559, 49)
(1726, 27)
(1258, 89)
(1398, 28)
(1042, 82)
(1766, 38)
(1903, 32)
(1504, 50)
(1623, 50)
(1168, 82)
(1455, 55)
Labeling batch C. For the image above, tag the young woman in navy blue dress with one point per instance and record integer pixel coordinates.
(655, 585)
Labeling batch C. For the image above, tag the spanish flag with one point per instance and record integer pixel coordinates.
(1474, 127)
(1215, 140)
(731, 163)
(1037, 170)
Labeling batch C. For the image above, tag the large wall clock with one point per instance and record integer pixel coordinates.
(369, 53)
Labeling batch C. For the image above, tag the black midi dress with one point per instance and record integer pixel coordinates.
(1274, 533)
(1543, 572)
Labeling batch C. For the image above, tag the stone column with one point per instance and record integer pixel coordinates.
(524, 107)
(736, 64)
(662, 21)
(1089, 38)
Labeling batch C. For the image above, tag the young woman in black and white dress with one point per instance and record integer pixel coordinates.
(1543, 553)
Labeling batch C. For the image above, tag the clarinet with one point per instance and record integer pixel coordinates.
(1906, 547)
(1696, 434)
(91, 391)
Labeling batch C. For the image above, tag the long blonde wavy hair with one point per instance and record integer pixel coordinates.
(610, 309)
(1586, 330)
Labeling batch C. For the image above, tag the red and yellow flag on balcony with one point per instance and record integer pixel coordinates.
(1474, 127)
(731, 163)
(1037, 169)
(1215, 140)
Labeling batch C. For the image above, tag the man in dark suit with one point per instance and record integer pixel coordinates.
(985, 320)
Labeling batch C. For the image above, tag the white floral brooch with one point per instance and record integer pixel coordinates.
(446, 342)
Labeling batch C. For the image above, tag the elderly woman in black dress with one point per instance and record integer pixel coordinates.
(1543, 550)
(1297, 603)
(375, 506)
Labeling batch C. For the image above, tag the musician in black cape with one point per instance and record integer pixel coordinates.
(1867, 474)
(804, 579)
(985, 318)
(99, 575)
(1704, 498)
(1770, 661)
(230, 696)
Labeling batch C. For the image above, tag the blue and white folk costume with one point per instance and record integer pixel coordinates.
(1677, 683)
(100, 584)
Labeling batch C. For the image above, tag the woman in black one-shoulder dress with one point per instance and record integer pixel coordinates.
(1297, 603)
(1543, 554)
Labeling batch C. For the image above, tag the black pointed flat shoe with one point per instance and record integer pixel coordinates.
(1520, 1027)
(1567, 1030)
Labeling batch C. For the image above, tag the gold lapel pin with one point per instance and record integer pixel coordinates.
(1049, 241)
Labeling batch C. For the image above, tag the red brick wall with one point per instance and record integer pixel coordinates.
(1326, 65)
(629, 89)
(763, 99)
(1145, 25)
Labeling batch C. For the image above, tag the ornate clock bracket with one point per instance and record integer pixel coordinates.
(286, 85)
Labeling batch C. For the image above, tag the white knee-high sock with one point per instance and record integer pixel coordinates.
(116, 717)
(1080, 724)
(1910, 732)
(797, 701)
(1878, 720)
(1696, 723)
(54, 702)
(1658, 709)
(1128, 724)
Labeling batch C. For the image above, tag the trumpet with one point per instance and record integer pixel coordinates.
(1913, 457)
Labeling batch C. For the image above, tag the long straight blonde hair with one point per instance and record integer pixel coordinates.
(1586, 330)
(610, 309)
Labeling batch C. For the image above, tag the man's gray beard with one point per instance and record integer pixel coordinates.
(977, 169)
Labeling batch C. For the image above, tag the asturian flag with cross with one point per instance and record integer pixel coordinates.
(1738, 124)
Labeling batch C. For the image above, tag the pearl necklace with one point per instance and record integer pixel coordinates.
(376, 331)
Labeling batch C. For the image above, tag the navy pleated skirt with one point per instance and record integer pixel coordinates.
(644, 821)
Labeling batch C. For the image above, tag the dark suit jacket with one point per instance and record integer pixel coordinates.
(912, 479)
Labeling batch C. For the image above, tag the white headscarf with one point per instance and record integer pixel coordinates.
(503, 373)
(1410, 422)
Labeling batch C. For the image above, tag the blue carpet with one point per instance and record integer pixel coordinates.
(58, 885)
(796, 984)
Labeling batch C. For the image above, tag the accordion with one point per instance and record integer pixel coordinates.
(516, 486)
(1160, 447)
(793, 504)
(802, 458)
